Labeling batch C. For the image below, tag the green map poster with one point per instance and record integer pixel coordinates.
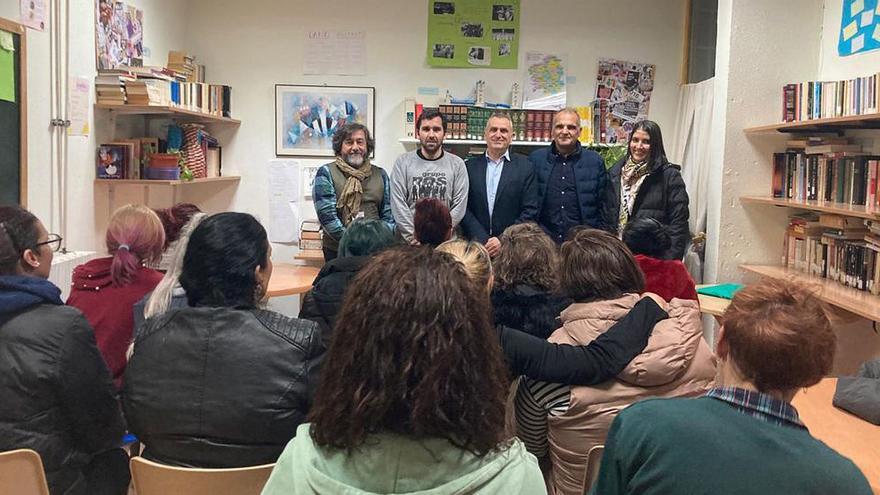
(473, 33)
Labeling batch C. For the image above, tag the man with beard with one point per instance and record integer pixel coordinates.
(428, 172)
(350, 187)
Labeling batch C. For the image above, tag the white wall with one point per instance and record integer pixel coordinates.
(254, 45)
(164, 29)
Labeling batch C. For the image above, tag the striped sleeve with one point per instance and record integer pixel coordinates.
(535, 401)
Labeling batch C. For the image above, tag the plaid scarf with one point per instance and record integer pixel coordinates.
(631, 177)
(349, 199)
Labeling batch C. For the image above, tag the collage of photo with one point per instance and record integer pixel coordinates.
(465, 36)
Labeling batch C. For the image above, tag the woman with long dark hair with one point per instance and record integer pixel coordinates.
(222, 383)
(412, 397)
(56, 396)
(643, 184)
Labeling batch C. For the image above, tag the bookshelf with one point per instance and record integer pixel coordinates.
(184, 114)
(859, 211)
(865, 121)
(171, 183)
(855, 301)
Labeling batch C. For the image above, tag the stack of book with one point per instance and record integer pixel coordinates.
(828, 99)
(310, 238)
(839, 248)
(837, 173)
(185, 66)
(110, 86)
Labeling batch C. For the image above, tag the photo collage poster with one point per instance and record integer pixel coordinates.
(473, 33)
(119, 35)
(623, 95)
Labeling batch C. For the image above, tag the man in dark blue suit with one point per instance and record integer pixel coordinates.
(502, 189)
(571, 179)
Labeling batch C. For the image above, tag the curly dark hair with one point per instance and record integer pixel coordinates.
(422, 360)
(18, 233)
(221, 256)
(174, 218)
(528, 256)
(346, 131)
(647, 236)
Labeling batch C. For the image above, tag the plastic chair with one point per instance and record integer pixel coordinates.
(594, 459)
(21, 472)
(152, 478)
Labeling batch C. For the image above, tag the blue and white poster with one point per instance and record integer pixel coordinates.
(859, 27)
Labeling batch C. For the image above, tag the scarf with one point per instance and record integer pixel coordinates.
(18, 292)
(349, 200)
(631, 177)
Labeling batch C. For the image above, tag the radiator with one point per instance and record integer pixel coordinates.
(62, 268)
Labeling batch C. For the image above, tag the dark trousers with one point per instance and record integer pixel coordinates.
(108, 473)
(329, 254)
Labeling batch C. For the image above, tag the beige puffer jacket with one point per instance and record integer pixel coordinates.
(677, 362)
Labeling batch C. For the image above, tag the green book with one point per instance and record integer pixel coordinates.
(724, 291)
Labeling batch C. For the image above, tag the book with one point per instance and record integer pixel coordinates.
(110, 161)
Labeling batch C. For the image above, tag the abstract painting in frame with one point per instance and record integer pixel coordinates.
(307, 116)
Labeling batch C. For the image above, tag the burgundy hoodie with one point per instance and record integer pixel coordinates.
(108, 307)
(667, 278)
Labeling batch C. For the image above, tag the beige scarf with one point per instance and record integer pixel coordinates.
(349, 200)
(631, 177)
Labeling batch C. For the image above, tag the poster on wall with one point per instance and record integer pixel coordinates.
(859, 27)
(473, 33)
(623, 95)
(119, 35)
(341, 53)
(33, 14)
(545, 81)
(307, 116)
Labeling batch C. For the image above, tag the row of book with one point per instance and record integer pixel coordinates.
(842, 249)
(828, 99)
(124, 88)
(469, 122)
(833, 177)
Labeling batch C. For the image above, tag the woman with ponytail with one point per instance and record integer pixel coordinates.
(106, 289)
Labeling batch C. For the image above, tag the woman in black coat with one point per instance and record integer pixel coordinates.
(222, 383)
(643, 184)
(56, 396)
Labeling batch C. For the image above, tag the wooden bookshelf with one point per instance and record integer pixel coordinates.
(855, 301)
(513, 143)
(867, 121)
(173, 183)
(189, 115)
(859, 211)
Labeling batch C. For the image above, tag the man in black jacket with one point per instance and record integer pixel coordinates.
(502, 188)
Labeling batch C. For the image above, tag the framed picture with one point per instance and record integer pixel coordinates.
(307, 116)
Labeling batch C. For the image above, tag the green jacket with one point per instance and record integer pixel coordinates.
(391, 463)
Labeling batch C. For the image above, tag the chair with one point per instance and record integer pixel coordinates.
(594, 459)
(152, 478)
(21, 472)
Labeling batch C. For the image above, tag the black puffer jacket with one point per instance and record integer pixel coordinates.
(322, 303)
(56, 395)
(662, 196)
(220, 387)
(529, 309)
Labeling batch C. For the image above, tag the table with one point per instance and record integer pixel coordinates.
(849, 435)
(288, 279)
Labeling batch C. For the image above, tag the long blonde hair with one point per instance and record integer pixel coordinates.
(476, 260)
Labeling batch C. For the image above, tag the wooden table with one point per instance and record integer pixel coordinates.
(849, 435)
(288, 280)
(712, 305)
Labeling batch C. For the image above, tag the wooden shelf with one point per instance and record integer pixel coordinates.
(173, 183)
(513, 143)
(189, 115)
(822, 206)
(867, 121)
(855, 301)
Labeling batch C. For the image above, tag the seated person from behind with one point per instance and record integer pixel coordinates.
(56, 395)
(432, 223)
(649, 240)
(222, 383)
(603, 279)
(776, 339)
(362, 239)
(412, 394)
(526, 294)
(173, 219)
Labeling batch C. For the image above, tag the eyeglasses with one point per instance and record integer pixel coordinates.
(54, 242)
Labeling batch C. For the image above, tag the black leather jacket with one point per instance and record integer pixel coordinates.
(56, 396)
(220, 387)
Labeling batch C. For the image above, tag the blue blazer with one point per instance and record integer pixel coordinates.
(590, 178)
(516, 199)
